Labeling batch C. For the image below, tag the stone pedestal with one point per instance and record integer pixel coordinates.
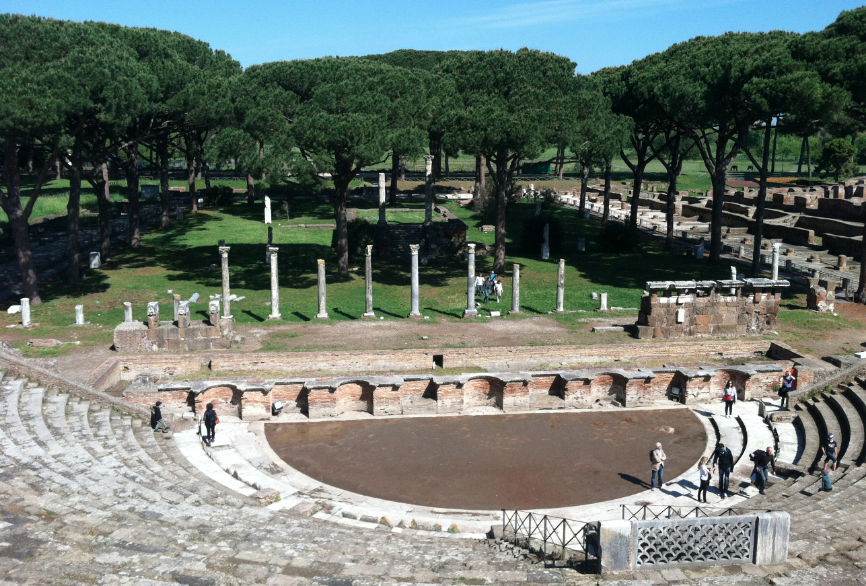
(224, 258)
(368, 272)
(776, 251)
(843, 263)
(183, 314)
(560, 287)
(383, 220)
(127, 311)
(25, 312)
(176, 303)
(414, 312)
(515, 289)
(323, 294)
(275, 285)
(602, 303)
(213, 310)
(95, 260)
(470, 310)
(428, 190)
(152, 315)
(79, 315)
(741, 252)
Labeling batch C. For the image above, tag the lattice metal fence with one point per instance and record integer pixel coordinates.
(553, 538)
(694, 542)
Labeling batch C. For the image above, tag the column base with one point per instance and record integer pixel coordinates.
(322, 316)
(370, 315)
(415, 316)
(514, 311)
(470, 313)
(275, 316)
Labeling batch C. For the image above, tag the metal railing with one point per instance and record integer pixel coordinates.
(656, 512)
(554, 538)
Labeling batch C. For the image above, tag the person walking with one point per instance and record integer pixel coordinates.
(729, 397)
(787, 382)
(705, 472)
(724, 459)
(479, 284)
(657, 459)
(210, 422)
(156, 420)
(763, 459)
(831, 451)
(488, 287)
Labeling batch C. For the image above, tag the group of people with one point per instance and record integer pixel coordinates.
(210, 420)
(486, 287)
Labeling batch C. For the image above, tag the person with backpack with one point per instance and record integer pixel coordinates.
(657, 459)
(156, 420)
(210, 422)
(724, 459)
(787, 382)
(763, 460)
(729, 397)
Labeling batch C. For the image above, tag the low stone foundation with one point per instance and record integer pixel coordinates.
(468, 393)
(678, 309)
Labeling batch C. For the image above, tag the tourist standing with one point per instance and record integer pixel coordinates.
(657, 459)
(479, 284)
(787, 382)
(156, 420)
(724, 459)
(831, 451)
(729, 397)
(706, 473)
(210, 422)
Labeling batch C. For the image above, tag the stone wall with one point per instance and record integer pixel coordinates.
(685, 309)
(469, 393)
(173, 336)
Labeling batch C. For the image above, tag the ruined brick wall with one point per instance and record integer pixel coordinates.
(686, 313)
(197, 336)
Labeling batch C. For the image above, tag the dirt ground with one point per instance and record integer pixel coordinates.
(504, 462)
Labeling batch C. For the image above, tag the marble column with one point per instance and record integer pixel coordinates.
(602, 304)
(470, 310)
(267, 210)
(382, 219)
(323, 294)
(79, 315)
(176, 298)
(733, 273)
(275, 285)
(560, 287)
(515, 289)
(153, 315)
(413, 311)
(95, 261)
(428, 190)
(25, 312)
(183, 314)
(368, 272)
(775, 273)
(224, 256)
(127, 311)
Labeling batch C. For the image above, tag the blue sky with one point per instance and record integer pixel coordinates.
(593, 33)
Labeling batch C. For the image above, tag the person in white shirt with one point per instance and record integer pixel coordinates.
(705, 471)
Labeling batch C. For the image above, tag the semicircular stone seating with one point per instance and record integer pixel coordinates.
(89, 495)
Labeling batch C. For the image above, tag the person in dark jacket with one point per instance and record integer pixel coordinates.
(156, 420)
(724, 460)
(210, 421)
(763, 460)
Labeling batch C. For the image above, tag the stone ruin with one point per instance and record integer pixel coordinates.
(178, 335)
(731, 308)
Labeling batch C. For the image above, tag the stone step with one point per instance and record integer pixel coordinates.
(811, 437)
(852, 424)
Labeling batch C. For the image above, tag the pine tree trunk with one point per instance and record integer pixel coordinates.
(402, 168)
(802, 153)
(483, 173)
(342, 178)
(133, 196)
(447, 168)
(605, 216)
(18, 224)
(395, 172)
(251, 189)
(760, 202)
(809, 158)
(584, 179)
(206, 173)
(73, 212)
(560, 161)
(860, 296)
(670, 209)
(190, 177)
(57, 173)
(162, 153)
(635, 196)
(102, 201)
(775, 138)
(501, 203)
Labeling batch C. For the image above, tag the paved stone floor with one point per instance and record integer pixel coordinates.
(525, 461)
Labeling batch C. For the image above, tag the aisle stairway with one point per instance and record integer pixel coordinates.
(89, 496)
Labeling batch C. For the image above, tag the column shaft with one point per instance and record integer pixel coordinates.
(323, 294)
(515, 289)
(275, 285)
(224, 257)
